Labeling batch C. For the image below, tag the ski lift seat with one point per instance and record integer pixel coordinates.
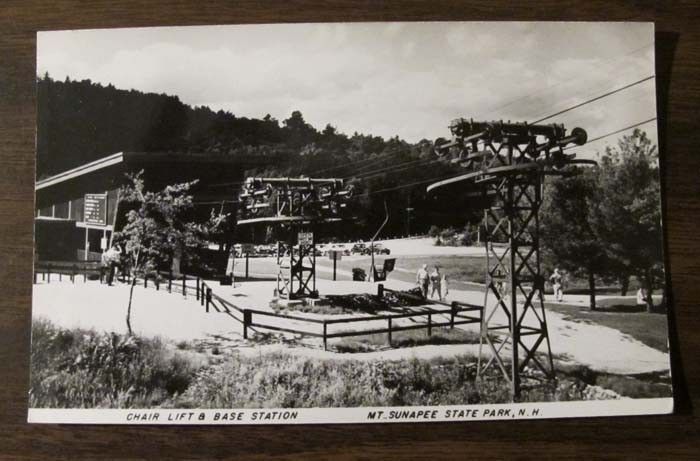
(380, 272)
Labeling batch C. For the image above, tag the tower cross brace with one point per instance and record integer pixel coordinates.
(508, 162)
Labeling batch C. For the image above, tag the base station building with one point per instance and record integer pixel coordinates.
(78, 210)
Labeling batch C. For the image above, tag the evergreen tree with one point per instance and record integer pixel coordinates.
(565, 228)
(627, 216)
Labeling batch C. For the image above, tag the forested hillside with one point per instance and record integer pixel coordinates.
(81, 121)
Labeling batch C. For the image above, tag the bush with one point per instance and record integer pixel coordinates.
(85, 369)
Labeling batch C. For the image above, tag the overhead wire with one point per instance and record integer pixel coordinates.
(597, 98)
(598, 138)
(567, 81)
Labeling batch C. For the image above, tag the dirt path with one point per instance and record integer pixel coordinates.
(172, 316)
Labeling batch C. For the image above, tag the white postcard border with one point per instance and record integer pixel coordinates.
(414, 414)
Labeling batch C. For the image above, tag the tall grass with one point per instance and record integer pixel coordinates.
(85, 369)
(284, 380)
(288, 381)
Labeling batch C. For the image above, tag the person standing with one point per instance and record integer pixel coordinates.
(112, 257)
(435, 279)
(422, 280)
(556, 281)
(444, 291)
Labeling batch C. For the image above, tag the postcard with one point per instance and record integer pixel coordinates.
(348, 223)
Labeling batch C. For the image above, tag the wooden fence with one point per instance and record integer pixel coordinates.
(73, 270)
(451, 316)
(454, 314)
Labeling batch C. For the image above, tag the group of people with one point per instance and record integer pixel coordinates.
(433, 284)
(433, 281)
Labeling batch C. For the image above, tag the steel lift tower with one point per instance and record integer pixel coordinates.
(295, 206)
(505, 165)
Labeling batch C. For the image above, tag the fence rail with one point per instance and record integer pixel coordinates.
(455, 312)
(247, 317)
(67, 268)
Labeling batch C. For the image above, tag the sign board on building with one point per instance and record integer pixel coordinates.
(305, 238)
(335, 254)
(95, 209)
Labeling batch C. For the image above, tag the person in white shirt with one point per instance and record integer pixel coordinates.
(423, 280)
(556, 280)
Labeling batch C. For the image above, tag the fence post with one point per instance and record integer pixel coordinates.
(430, 324)
(157, 281)
(84, 274)
(325, 339)
(246, 265)
(145, 280)
(184, 284)
(389, 331)
(453, 313)
(247, 320)
(208, 298)
(72, 274)
(48, 274)
(201, 296)
(197, 288)
(380, 290)
(170, 280)
(43, 276)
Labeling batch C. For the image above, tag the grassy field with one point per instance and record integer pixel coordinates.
(650, 329)
(463, 272)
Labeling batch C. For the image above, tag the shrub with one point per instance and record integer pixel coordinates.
(85, 369)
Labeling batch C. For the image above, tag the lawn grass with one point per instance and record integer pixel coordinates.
(650, 329)
(467, 272)
(406, 338)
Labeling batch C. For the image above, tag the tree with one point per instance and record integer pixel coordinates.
(158, 227)
(627, 216)
(566, 233)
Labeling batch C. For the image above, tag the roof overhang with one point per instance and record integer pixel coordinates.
(96, 165)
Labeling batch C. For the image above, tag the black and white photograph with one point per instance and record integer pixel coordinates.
(348, 223)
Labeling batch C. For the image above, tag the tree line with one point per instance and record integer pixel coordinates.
(81, 121)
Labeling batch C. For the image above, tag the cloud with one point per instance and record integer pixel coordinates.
(406, 79)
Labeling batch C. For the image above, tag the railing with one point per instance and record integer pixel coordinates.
(67, 268)
(452, 316)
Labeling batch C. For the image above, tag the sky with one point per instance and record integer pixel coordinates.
(387, 79)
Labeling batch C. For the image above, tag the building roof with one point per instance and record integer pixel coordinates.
(81, 170)
(148, 157)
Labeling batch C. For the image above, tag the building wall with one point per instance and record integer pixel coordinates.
(57, 240)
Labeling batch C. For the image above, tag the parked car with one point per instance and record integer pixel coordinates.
(359, 249)
(380, 249)
(342, 248)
